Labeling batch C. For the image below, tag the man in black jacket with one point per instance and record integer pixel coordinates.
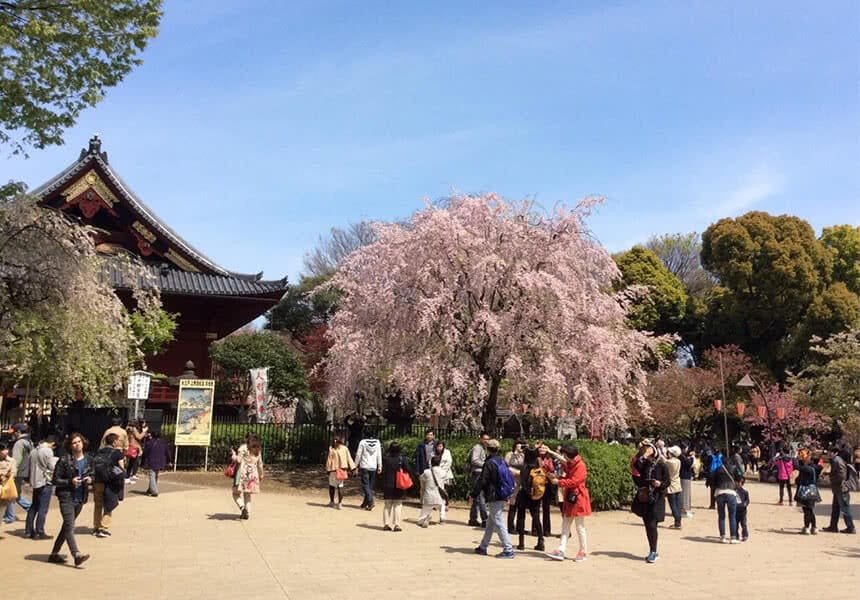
(488, 484)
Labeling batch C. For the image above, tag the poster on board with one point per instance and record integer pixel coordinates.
(194, 412)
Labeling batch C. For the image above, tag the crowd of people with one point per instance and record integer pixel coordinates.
(72, 474)
(532, 480)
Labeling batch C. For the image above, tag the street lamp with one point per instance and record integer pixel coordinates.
(748, 382)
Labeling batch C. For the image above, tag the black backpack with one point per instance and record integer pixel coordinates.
(103, 467)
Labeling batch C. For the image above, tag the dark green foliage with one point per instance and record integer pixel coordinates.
(609, 480)
(662, 310)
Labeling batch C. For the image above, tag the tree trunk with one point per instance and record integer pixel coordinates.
(488, 419)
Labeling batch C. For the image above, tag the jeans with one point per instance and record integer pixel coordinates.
(368, 479)
(741, 516)
(479, 504)
(153, 482)
(70, 511)
(841, 504)
(22, 501)
(580, 534)
(730, 502)
(496, 523)
(784, 483)
(38, 511)
(675, 506)
(549, 501)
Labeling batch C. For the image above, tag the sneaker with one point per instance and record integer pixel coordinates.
(746, 538)
(830, 529)
(652, 558)
(8, 521)
(244, 515)
(481, 551)
(397, 528)
(734, 541)
(539, 547)
(102, 534)
(424, 524)
(804, 531)
(506, 554)
(779, 503)
(127, 481)
(580, 557)
(81, 559)
(724, 539)
(57, 559)
(556, 555)
(521, 547)
(813, 531)
(339, 506)
(43, 536)
(473, 523)
(846, 530)
(386, 528)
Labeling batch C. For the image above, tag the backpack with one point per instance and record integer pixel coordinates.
(505, 486)
(851, 483)
(538, 487)
(103, 468)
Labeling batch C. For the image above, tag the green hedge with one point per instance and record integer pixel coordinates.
(608, 482)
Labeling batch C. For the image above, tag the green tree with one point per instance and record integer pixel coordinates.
(304, 307)
(58, 58)
(831, 383)
(238, 353)
(770, 271)
(662, 309)
(843, 242)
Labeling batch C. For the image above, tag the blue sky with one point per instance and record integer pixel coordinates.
(254, 126)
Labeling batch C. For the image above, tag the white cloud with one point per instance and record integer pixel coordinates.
(754, 187)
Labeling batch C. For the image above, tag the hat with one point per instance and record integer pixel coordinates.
(645, 442)
(21, 427)
(493, 444)
(675, 451)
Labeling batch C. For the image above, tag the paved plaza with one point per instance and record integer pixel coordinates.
(188, 543)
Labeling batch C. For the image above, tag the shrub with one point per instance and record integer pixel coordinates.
(609, 482)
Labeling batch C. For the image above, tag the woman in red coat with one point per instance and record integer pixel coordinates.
(577, 502)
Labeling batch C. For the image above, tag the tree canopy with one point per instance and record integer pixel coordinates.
(330, 251)
(831, 383)
(482, 291)
(681, 253)
(661, 309)
(238, 353)
(60, 56)
(843, 243)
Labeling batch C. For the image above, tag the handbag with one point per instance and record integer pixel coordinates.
(9, 491)
(643, 495)
(571, 497)
(341, 474)
(402, 480)
(132, 452)
(230, 470)
(441, 489)
(808, 492)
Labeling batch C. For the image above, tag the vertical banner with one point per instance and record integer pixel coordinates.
(194, 412)
(260, 387)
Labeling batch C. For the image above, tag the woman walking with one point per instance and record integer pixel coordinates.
(72, 478)
(446, 466)
(433, 494)
(576, 505)
(136, 434)
(338, 465)
(727, 502)
(807, 494)
(649, 503)
(392, 463)
(249, 474)
(156, 456)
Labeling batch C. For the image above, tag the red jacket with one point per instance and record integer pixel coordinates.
(574, 479)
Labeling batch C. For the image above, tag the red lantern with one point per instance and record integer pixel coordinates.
(804, 410)
(780, 412)
(525, 407)
(718, 405)
(740, 406)
(762, 411)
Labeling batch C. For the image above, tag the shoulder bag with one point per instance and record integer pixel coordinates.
(808, 492)
(9, 491)
(402, 480)
(441, 489)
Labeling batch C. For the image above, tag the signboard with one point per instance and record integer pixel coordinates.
(260, 388)
(138, 385)
(194, 412)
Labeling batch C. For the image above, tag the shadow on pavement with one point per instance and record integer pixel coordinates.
(613, 554)
(44, 558)
(782, 531)
(844, 552)
(366, 526)
(702, 540)
(455, 550)
(223, 517)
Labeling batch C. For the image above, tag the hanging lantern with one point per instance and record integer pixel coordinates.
(740, 406)
(804, 410)
(780, 412)
(718, 405)
(761, 411)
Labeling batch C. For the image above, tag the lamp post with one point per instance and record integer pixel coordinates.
(748, 382)
(725, 418)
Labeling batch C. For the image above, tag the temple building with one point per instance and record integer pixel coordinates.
(211, 301)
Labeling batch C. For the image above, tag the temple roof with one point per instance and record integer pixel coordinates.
(175, 281)
(188, 258)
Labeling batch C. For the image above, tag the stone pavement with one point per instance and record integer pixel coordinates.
(188, 543)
